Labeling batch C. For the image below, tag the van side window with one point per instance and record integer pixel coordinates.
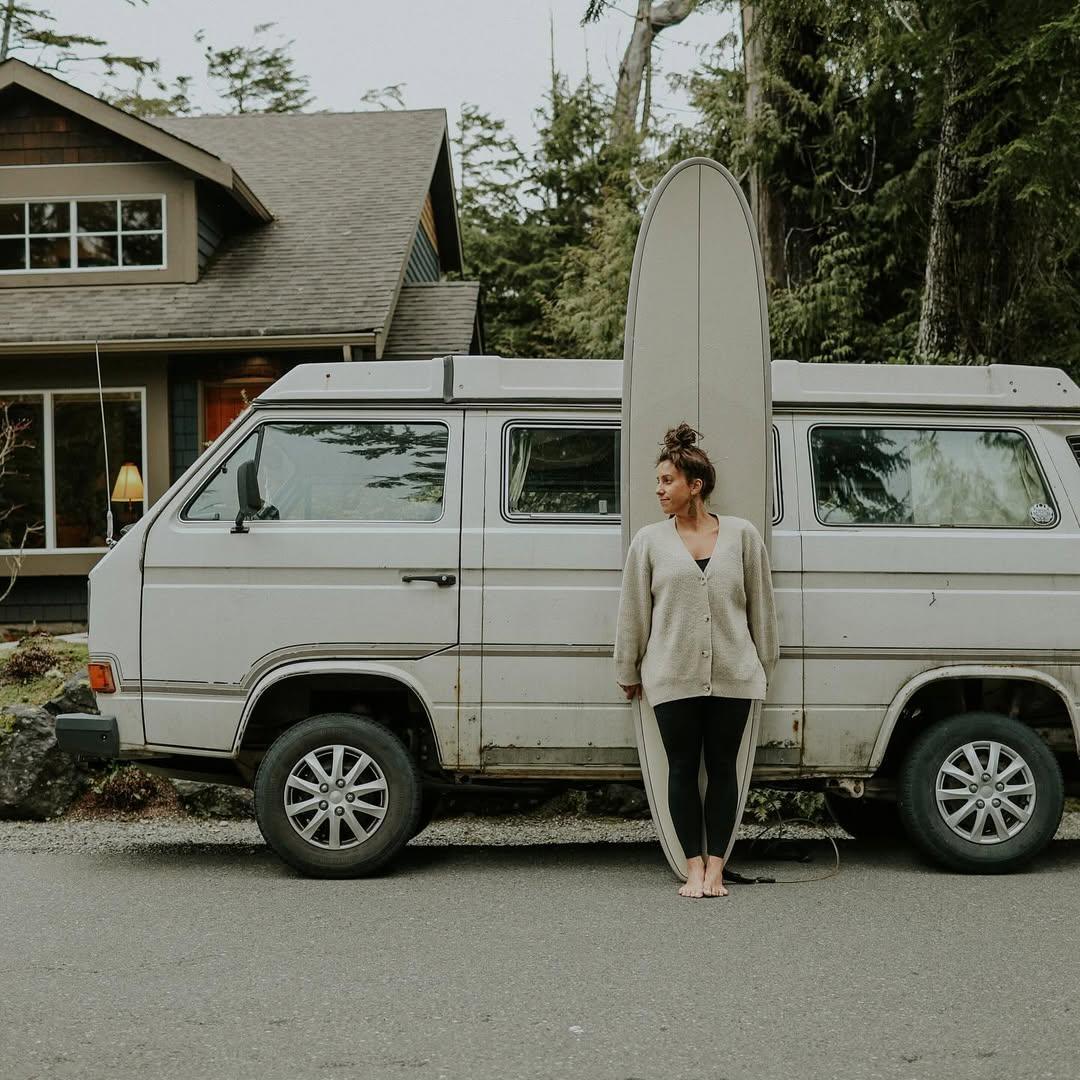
(559, 471)
(927, 476)
(335, 471)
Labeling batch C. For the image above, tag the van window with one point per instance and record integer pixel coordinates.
(559, 471)
(927, 476)
(335, 471)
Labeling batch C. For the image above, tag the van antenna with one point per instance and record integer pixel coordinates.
(109, 541)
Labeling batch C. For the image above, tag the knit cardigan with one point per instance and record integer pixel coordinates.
(683, 632)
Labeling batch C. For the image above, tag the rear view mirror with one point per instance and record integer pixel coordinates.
(248, 496)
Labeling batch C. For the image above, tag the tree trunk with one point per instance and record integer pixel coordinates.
(960, 287)
(649, 21)
(9, 19)
(765, 204)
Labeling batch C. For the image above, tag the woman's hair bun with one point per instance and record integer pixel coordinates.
(681, 438)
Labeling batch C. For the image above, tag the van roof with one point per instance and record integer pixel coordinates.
(484, 379)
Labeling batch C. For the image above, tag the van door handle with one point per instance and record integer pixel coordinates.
(442, 580)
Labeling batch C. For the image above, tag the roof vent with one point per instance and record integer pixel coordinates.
(1074, 446)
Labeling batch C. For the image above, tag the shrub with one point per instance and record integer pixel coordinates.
(33, 657)
(129, 788)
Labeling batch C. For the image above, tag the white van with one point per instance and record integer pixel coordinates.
(387, 578)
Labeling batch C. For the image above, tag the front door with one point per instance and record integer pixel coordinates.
(359, 507)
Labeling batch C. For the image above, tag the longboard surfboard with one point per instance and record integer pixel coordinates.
(696, 348)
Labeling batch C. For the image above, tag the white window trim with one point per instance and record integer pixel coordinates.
(49, 461)
(73, 234)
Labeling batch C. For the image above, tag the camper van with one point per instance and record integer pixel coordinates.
(390, 578)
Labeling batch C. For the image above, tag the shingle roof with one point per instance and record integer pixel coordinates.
(346, 190)
(433, 319)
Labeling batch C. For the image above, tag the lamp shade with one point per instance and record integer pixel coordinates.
(129, 486)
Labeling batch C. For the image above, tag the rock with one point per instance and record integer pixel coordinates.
(618, 800)
(75, 696)
(215, 800)
(37, 780)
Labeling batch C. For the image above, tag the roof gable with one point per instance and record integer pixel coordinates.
(155, 140)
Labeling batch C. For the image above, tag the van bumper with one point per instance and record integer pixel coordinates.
(88, 735)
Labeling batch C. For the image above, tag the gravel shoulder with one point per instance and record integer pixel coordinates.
(111, 835)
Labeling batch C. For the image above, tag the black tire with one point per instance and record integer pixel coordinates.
(924, 822)
(429, 807)
(867, 819)
(401, 799)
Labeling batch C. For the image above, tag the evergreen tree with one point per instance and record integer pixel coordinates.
(257, 77)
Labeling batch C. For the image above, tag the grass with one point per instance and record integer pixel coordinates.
(70, 659)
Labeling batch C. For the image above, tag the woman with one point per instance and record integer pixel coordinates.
(697, 635)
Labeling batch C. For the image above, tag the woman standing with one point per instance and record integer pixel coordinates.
(697, 635)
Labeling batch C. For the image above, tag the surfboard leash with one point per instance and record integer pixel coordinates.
(742, 879)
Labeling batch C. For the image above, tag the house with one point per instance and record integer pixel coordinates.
(196, 259)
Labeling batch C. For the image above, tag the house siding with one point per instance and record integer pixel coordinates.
(34, 131)
(424, 260)
(183, 425)
(45, 600)
(211, 231)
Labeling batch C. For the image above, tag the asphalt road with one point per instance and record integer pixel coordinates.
(571, 960)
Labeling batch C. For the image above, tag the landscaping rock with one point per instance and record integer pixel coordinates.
(75, 697)
(618, 800)
(215, 800)
(37, 780)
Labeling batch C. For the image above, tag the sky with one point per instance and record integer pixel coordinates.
(495, 54)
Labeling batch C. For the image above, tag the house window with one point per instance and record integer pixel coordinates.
(55, 490)
(82, 234)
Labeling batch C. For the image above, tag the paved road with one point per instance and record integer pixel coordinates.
(197, 960)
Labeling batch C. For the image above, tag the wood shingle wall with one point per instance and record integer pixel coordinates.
(34, 131)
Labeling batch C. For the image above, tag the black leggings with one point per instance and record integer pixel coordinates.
(685, 724)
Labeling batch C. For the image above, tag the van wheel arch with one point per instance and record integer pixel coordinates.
(292, 698)
(1028, 697)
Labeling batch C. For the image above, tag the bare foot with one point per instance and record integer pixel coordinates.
(695, 875)
(713, 884)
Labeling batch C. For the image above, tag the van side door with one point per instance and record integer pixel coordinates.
(552, 572)
(354, 554)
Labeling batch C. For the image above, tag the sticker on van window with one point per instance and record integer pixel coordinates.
(1041, 514)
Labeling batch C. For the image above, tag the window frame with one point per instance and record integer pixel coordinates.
(49, 460)
(778, 486)
(1034, 527)
(258, 430)
(73, 234)
(547, 518)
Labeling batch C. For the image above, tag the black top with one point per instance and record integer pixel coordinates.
(702, 563)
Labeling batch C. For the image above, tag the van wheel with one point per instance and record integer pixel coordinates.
(429, 807)
(337, 796)
(866, 819)
(980, 793)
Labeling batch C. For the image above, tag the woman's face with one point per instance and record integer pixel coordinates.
(673, 490)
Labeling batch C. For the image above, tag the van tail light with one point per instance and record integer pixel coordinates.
(101, 678)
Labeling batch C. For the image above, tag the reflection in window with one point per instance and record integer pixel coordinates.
(335, 472)
(70, 511)
(82, 489)
(70, 234)
(560, 470)
(22, 485)
(912, 476)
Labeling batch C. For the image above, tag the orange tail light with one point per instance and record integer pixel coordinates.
(101, 678)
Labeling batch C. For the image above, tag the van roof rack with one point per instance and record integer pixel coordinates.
(480, 379)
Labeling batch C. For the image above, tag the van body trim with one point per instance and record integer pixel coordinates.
(1006, 657)
(907, 691)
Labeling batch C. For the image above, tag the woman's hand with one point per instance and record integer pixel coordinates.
(632, 691)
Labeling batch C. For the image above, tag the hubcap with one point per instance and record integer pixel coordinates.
(336, 797)
(985, 792)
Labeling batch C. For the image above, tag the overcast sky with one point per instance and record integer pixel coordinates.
(493, 53)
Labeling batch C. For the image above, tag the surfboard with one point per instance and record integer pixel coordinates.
(696, 348)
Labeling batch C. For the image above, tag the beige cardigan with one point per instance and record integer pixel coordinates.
(683, 632)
